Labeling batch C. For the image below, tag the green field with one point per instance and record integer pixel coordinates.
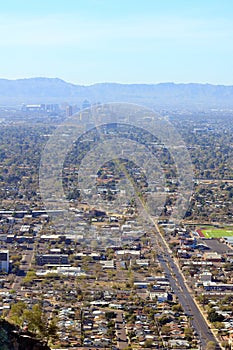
(213, 232)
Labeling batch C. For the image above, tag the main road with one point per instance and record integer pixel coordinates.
(183, 293)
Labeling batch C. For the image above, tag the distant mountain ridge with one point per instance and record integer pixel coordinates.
(54, 90)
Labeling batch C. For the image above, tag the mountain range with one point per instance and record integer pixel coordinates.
(162, 95)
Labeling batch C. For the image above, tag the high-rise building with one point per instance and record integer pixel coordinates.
(69, 111)
(4, 260)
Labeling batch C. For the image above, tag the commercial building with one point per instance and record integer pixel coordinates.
(52, 259)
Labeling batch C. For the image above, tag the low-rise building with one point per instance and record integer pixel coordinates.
(206, 276)
(52, 259)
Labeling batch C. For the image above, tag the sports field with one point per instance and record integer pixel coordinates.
(213, 232)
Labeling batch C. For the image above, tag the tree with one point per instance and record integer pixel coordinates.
(203, 299)
(218, 325)
(211, 345)
(165, 329)
(52, 330)
(177, 308)
(163, 320)
(110, 315)
(16, 313)
(34, 319)
(213, 316)
(148, 343)
(31, 275)
(188, 334)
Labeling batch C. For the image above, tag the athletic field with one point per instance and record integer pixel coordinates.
(213, 232)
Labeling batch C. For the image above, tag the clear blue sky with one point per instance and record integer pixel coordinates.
(126, 41)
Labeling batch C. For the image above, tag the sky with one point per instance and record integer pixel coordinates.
(124, 41)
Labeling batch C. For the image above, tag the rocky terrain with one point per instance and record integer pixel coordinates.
(12, 338)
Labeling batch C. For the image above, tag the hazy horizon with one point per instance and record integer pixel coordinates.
(115, 82)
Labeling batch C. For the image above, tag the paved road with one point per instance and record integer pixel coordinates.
(179, 287)
(178, 284)
(23, 268)
(122, 341)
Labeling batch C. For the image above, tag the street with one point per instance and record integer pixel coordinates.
(180, 288)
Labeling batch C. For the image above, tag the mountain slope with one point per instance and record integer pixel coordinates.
(54, 90)
(12, 338)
